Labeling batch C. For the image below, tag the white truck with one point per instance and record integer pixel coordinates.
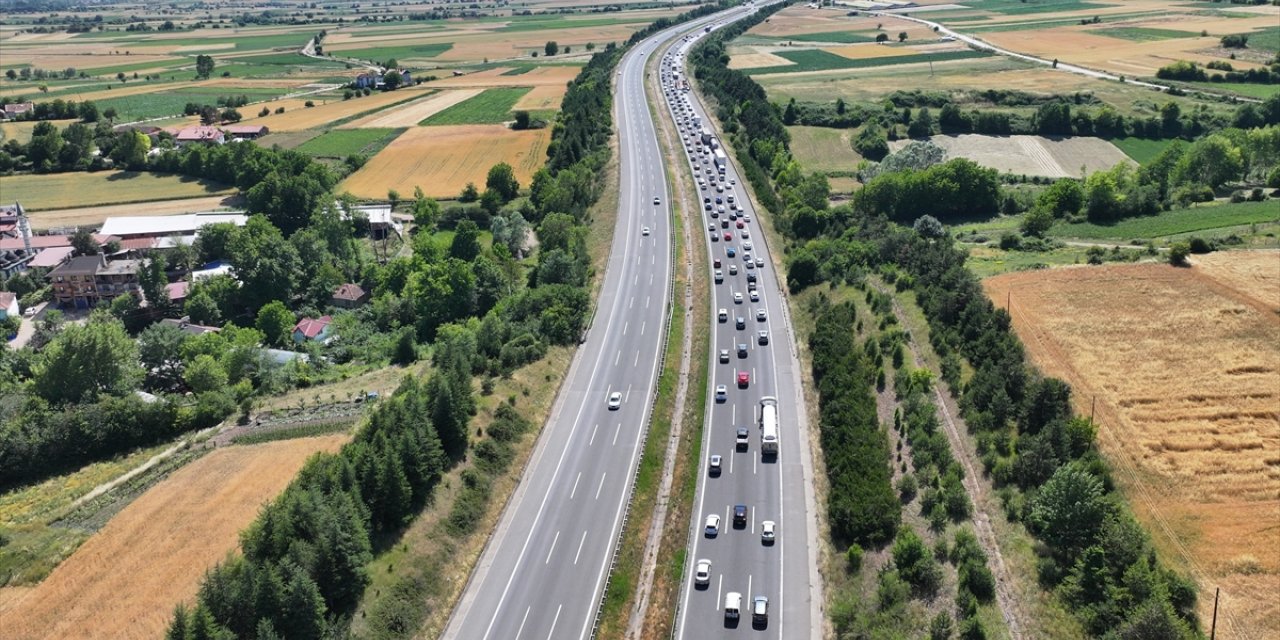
(769, 426)
(721, 160)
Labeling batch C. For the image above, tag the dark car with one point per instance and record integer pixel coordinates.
(739, 516)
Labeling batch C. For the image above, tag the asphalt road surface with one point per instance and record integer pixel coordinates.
(543, 572)
(771, 488)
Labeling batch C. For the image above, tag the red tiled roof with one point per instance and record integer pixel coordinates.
(349, 291)
(133, 244)
(311, 327)
(198, 134)
(177, 290)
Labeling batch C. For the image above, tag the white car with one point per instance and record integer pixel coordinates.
(644, 231)
(702, 574)
(767, 532)
(737, 297)
(656, 200)
(713, 526)
(724, 315)
(760, 316)
(722, 393)
(724, 356)
(615, 400)
(755, 296)
(713, 466)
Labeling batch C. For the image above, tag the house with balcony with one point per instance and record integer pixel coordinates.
(85, 281)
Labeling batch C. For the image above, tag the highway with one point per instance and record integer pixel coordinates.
(771, 488)
(543, 572)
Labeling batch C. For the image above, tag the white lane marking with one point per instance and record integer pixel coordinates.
(646, 302)
(522, 621)
(602, 477)
(615, 434)
(575, 486)
(637, 361)
(754, 460)
(553, 548)
(642, 326)
(616, 358)
(749, 577)
(580, 543)
(632, 303)
(731, 457)
(593, 435)
(552, 633)
(719, 588)
(624, 327)
(753, 517)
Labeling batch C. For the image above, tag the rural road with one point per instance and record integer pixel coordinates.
(776, 488)
(543, 572)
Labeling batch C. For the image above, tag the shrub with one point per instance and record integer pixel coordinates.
(1199, 245)
(854, 558)
(907, 487)
(1178, 254)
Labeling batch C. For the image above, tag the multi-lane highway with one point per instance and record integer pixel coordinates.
(544, 570)
(751, 360)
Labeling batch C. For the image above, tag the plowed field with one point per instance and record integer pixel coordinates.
(1185, 367)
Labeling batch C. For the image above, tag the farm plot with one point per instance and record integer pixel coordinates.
(823, 60)
(493, 106)
(1210, 220)
(340, 143)
(544, 98)
(68, 190)
(127, 578)
(1183, 365)
(22, 130)
(335, 110)
(824, 149)
(547, 75)
(442, 160)
(414, 112)
(92, 216)
(170, 101)
(1030, 155)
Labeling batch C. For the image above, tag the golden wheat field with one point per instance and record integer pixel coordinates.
(125, 581)
(1184, 364)
(442, 160)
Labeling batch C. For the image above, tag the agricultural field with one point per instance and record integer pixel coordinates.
(127, 578)
(69, 190)
(493, 106)
(1182, 363)
(411, 113)
(21, 130)
(94, 215)
(1030, 155)
(340, 143)
(824, 149)
(443, 159)
(1219, 217)
(1141, 150)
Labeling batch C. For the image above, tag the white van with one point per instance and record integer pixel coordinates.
(732, 605)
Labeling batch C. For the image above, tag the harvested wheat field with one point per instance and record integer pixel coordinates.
(755, 57)
(410, 114)
(1185, 367)
(297, 118)
(1030, 155)
(542, 76)
(443, 159)
(125, 581)
(543, 98)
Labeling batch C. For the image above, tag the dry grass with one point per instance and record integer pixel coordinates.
(326, 110)
(70, 190)
(125, 581)
(22, 130)
(824, 149)
(442, 160)
(543, 98)
(542, 76)
(756, 57)
(1184, 366)
(1076, 46)
(1031, 155)
(93, 216)
(409, 115)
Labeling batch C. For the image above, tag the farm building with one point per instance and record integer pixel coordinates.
(204, 135)
(128, 227)
(8, 305)
(15, 109)
(85, 281)
(381, 223)
(312, 329)
(246, 131)
(177, 291)
(349, 296)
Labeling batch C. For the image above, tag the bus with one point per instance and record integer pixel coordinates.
(769, 426)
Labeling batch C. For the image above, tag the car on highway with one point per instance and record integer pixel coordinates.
(760, 315)
(724, 315)
(733, 269)
(713, 465)
(730, 251)
(744, 379)
(762, 337)
(742, 350)
(712, 527)
(740, 322)
(759, 611)
(615, 400)
(768, 532)
(740, 224)
(737, 297)
(739, 516)
(732, 607)
(741, 438)
(722, 393)
(759, 262)
(716, 263)
(656, 200)
(724, 356)
(702, 574)
(644, 231)
(728, 236)
(751, 277)
(746, 246)
(755, 295)
(719, 276)
(715, 237)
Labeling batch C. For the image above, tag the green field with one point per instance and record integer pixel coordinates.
(493, 106)
(823, 149)
(1259, 91)
(1019, 7)
(1202, 218)
(819, 60)
(1144, 34)
(340, 143)
(282, 59)
(69, 190)
(406, 52)
(1031, 25)
(170, 103)
(1141, 150)
(1265, 39)
(240, 42)
(847, 37)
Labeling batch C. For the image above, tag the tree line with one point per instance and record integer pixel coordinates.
(1042, 458)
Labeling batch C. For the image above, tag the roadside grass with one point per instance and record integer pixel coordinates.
(157, 104)
(1145, 34)
(819, 60)
(34, 545)
(493, 106)
(406, 52)
(68, 190)
(1141, 150)
(1201, 218)
(340, 143)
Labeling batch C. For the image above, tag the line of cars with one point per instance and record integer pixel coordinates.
(727, 222)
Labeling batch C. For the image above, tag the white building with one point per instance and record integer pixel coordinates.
(127, 227)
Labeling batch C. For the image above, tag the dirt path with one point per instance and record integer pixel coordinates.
(978, 490)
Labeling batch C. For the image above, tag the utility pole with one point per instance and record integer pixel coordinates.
(1213, 628)
(1093, 405)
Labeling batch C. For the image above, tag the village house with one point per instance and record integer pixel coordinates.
(349, 296)
(246, 131)
(316, 329)
(202, 134)
(84, 281)
(15, 109)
